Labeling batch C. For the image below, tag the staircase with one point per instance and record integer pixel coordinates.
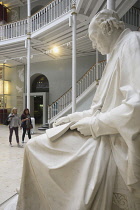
(84, 86)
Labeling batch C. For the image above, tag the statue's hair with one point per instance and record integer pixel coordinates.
(107, 20)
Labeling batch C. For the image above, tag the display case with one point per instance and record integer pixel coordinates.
(4, 94)
(11, 89)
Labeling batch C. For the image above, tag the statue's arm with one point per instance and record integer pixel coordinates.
(76, 116)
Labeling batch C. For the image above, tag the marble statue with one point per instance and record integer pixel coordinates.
(91, 159)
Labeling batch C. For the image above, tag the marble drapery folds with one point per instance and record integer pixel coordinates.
(72, 172)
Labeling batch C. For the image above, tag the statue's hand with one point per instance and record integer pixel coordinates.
(83, 126)
(61, 121)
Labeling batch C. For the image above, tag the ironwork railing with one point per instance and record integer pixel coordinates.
(82, 85)
(13, 30)
(45, 16)
(132, 17)
(50, 13)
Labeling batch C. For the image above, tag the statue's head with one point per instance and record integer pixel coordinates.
(103, 29)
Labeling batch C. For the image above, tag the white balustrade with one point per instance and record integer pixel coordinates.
(13, 30)
(82, 85)
(132, 17)
(48, 14)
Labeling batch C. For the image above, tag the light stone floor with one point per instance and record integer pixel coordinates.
(11, 161)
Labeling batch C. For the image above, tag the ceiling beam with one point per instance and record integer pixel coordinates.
(79, 5)
(88, 6)
(124, 6)
(96, 8)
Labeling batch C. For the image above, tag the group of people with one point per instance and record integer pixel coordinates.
(24, 122)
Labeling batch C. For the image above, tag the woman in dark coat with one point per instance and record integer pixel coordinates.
(26, 124)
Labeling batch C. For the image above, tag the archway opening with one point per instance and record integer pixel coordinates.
(39, 85)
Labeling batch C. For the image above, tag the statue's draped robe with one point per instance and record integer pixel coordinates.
(75, 172)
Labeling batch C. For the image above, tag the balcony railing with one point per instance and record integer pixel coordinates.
(132, 17)
(45, 16)
(48, 14)
(82, 85)
(51, 12)
(13, 30)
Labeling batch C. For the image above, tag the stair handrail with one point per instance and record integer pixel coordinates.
(78, 81)
(82, 84)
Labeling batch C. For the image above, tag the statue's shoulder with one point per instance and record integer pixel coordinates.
(131, 41)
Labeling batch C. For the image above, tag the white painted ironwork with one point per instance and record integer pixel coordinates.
(132, 17)
(45, 16)
(13, 30)
(28, 53)
(74, 17)
(50, 13)
(111, 4)
(82, 85)
(73, 3)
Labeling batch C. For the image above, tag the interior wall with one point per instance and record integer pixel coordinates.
(23, 9)
(16, 77)
(13, 14)
(59, 73)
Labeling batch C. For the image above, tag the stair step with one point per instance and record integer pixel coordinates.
(41, 128)
(45, 126)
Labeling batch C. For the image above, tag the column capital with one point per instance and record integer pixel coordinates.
(73, 3)
(73, 7)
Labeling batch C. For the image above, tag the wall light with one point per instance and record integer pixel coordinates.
(55, 50)
(7, 88)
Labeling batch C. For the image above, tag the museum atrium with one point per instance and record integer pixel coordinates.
(47, 64)
(46, 58)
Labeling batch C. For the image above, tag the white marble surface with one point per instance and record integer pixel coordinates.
(78, 170)
(11, 159)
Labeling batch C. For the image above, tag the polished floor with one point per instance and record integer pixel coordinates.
(11, 160)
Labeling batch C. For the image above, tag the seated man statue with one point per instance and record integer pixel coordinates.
(83, 167)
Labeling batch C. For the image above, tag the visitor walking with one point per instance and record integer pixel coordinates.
(14, 125)
(26, 124)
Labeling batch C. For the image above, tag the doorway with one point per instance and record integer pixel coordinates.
(41, 96)
(38, 109)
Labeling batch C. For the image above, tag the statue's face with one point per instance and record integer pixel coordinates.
(100, 41)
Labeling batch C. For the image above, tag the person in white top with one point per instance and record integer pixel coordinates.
(14, 126)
